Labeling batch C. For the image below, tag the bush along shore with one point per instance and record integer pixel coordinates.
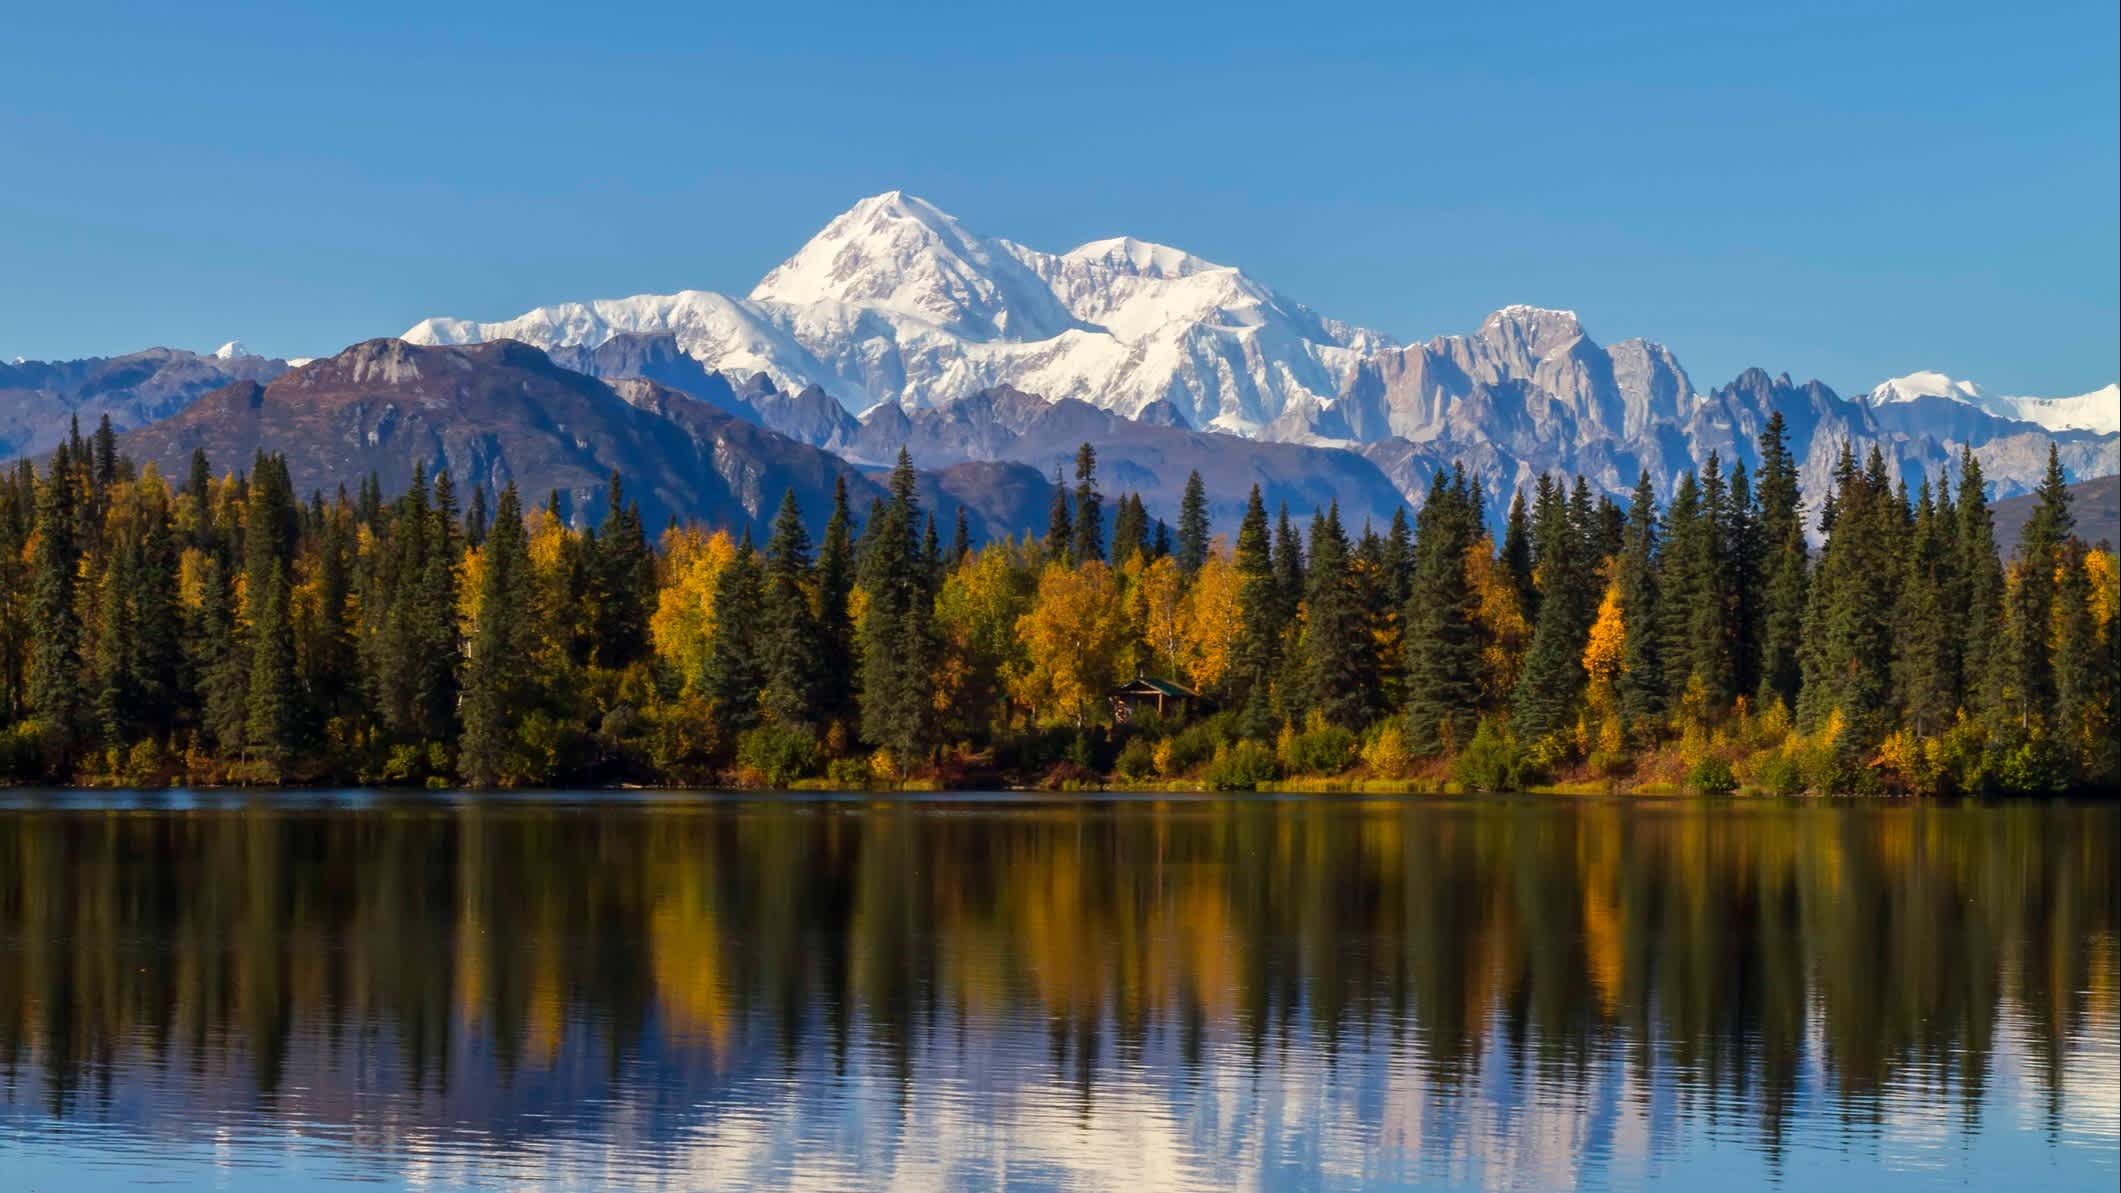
(225, 629)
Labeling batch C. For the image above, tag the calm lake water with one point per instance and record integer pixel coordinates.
(1108, 993)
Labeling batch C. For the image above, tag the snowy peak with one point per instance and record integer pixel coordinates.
(1536, 331)
(2098, 411)
(906, 255)
(232, 349)
(1139, 258)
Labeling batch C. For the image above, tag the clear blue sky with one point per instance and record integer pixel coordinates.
(1841, 191)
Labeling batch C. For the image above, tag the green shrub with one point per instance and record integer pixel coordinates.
(1137, 759)
(2034, 765)
(776, 755)
(1712, 775)
(1241, 767)
(1492, 761)
(848, 774)
(1778, 773)
(1319, 750)
(1194, 745)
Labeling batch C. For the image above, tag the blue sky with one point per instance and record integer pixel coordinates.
(1841, 191)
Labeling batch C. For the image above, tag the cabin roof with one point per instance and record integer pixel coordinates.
(1142, 685)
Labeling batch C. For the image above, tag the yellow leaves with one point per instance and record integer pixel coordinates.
(2106, 586)
(191, 582)
(1501, 617)
(1164, 612)
(1213, 620)
(682, 626)
(1386, 753)
(1606, 652)
(1072, 636)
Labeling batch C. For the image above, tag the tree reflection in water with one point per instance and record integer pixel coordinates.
(1549, 991)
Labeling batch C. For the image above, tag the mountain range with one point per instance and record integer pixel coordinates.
(895, 326)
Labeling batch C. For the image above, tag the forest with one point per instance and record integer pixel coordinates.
(226, 630)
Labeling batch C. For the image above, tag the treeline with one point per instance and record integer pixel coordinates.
(227, 630)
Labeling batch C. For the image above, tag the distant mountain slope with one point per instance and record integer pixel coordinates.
(39, 400)
(896, 301)
(504, 411)
(895, 304)
(2095, 504)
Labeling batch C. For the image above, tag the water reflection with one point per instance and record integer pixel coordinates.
(1139, 994)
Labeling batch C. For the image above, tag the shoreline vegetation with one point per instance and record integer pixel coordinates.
(224, 631)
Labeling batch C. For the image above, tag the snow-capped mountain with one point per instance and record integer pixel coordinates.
(2098, 411)
(897, 301)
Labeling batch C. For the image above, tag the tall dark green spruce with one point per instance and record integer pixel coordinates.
(622, 582)
(788, 630)
(1338, 652)
(2030, 604)
(835, 625)
(1642, 684)
(1922, 634)
(1443, 645)
(1193, 527)
(274, 696)
(497, 675)
(898, 639)
(1257, 657)
(1060, 525)
(1784, 562)
(55, 648)
(1553, 678)
(1089, 508)
(1976, 603)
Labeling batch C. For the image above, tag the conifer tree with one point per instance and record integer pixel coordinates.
(787, 636)
(497, 675)
(1193, 527)
(220, 671)
(1130, 529)
(960, 538)
(1060, 527)
(1517, 553)
(622, 582)
(1642, 683)
(898, 642)
(835, 627)
(1442, 640)
(1553, 676)
(1922, 634)
(1976, 600)
(735, 676)
(1089, 508)
(273, 697)
(55, 647)
(1784, 560)
(1341, 669)
(1258, 651)
(2030, 604)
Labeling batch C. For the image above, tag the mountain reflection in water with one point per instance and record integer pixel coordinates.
(1134, 993)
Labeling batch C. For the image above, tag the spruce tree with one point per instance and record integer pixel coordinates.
(1193, 527)
(1642, 683)
(1517, 553)
(1553, 678)
(497, 674)
(1977, 593)
(1442, 639)
(787, 635)
(1922, 633)
(273, 698)
(622, 582)
(1089, 508)
(1257, 656)
(960, 538)
(735, 676)
(55, 647)
(898, 641)
(1778, 527)
(1340, 665)
(835, 627)
(1060, 527)
(2030, 604)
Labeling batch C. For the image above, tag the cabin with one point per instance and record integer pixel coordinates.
(1166, 697)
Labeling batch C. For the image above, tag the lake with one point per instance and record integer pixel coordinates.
(1138, 993)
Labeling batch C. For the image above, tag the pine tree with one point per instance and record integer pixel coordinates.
(735, 676)
(898, 646)
(1976, 602)
(273, 696)
(1553, 676)
(1785, 559)
(1258, 653)
(220, 670)
(787, 637)
(1060, 528)
(1642, 683)
(1130, 529)
(1089, 508)
(622, 582)
(498, 672)
(1442, 639)
(1341, 669)
(1288, 568)
(2084, 686)
(1397, 561)
(475, 518)
(1193, 527)
(2030, 604)
(960, 538)
(1922, 634)
(835, 627)
(55, 648)
(1517, 553)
